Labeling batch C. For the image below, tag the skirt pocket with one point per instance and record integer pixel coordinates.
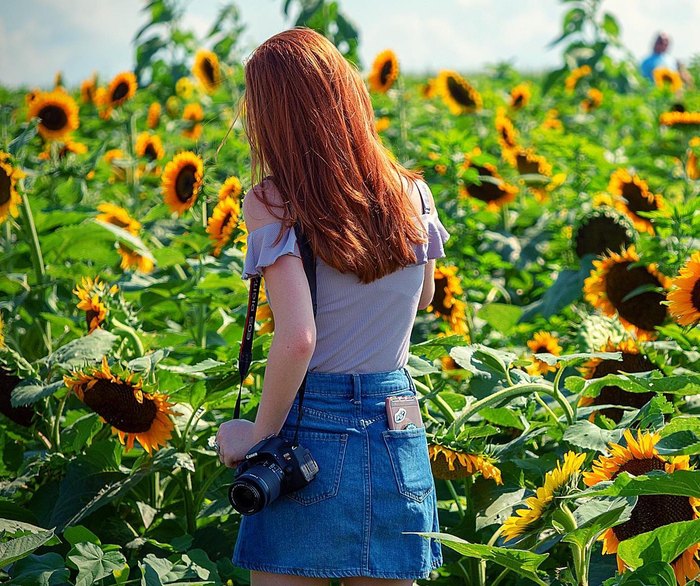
(408, 452)
(328, 449)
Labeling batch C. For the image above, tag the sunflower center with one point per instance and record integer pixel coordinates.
(599, 234)
(208, 68)
(116, 404)
(120, 91)
(440, 295)
(21, 415)
(150, 152)
(185, 182)
(5, 186)
(643, 310)
(694, 294)
(518, 100)
(90, 314)
(637, 200)
(487, 191)
(526, 166)
(651, 511)
(53, 117)
(385, 72)
(459, 93)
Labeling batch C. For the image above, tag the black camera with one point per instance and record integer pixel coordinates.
(272, 467)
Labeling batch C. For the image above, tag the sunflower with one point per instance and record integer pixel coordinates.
(206, 69)
(193, 115)
(118, 216)
(182, 180)
(684, 298)
(2, 332)
(575, 76)
(520, 96)
(543, 342)
(57, 113)
(507, 136)
(446, 302)
(593, 100)
(32, 95)
(92, 293)
(634, 196)
(184, 88)
(558, 481)
(385, 71)
(601, 230)
(450, 464)
(120, 89)
(21, 415)
(9, 198)
(551, 120)
(132, 413)
(153, 117)
(667, 78)
(491, 188)
(639, 457)
(692, 169)
(632, 361)
(231, 188)
(680, 119)
(88, 89)
(223, 222)
(113, 157)
(616, 276)
(381, 124)
(529, 163)
(149, 146)
(457, 93)
(264, 312)
(429, 89)
(70, 146)
(131, 259)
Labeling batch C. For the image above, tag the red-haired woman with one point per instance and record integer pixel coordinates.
(372, 226)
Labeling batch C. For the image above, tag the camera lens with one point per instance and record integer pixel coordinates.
(246, 498)
(256, 488)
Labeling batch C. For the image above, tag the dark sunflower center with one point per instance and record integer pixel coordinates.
(440, 295)
(208, 69)
(385, 72)
(53, 117)
(678, 108)
(150, 152)
(117, 222)
(651, 511)
(120, 91)
(540, 349)
(637, 201)
(487, 191)
(21, 415)
(600, 233)
(613, 395)
(526, 166)
(90, 314)
(507, 137)
(518, 100)
(227, 219)
(460, 93)
(5, 186)
(694, 294)
(185, 182)
(643, 310)
(116, 404)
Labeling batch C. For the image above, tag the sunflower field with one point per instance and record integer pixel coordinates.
(558, 366)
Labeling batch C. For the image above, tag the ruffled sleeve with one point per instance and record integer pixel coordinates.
(262, 250)
(437, 236)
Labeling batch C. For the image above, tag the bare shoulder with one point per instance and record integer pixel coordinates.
(255, 213)
(416, 197)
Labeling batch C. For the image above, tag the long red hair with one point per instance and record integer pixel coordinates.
(310, 124)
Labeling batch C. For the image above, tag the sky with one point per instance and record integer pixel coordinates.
(40, 37)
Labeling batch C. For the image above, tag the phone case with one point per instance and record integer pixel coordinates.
(403, 412)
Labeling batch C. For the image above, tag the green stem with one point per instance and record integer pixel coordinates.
(177, 268)
(440, 403)
(569, 523)
(210, 478)
(549, 411)
(131, 334)
(56, 430)
(455, 497)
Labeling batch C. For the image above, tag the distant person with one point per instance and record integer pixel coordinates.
(660, 58)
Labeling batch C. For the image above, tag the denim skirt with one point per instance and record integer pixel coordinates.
(374, 487)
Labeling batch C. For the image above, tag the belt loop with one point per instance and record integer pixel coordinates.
(411, 384)
(356, 389)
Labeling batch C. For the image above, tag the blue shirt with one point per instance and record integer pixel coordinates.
(657, 60)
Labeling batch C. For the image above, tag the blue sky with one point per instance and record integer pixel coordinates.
(40, 37)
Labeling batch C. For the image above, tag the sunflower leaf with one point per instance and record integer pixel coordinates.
(584, 434)
(93, 563)
(570, 359)
(29, 131)
(88, 349)
(30, 391)
(614, 513)
(664, 544)
(16, 549)
(654, 381)
(648, 287)
(524, 563)
(679, 443)
(678, 483)
(124, 237)
(651, 574)
(482, 360)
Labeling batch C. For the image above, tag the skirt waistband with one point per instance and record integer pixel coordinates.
(367, 384)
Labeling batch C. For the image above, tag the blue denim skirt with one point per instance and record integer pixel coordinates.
(374, 485)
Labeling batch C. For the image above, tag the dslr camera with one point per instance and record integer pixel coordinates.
(273, 467)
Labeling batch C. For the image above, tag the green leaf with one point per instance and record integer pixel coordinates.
(584, 434)
(418, 367)
(40, 570)
(500, 316)
(20, 547)
(127, 238)
(610, 25)
(652, 574)
(562, 293)
(679, 443)
(664, 544)
(678, 483)
(30, 391)
(93, 563)
(436, 347)
(482, 360)
(613, 513)
(570, 359)
(88, 349)
(29, 131)
(193, 369)
(685, 384)
(523, 563)
(80, 534)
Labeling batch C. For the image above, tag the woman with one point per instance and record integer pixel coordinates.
(372, 225)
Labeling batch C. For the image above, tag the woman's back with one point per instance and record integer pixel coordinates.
(360, 327)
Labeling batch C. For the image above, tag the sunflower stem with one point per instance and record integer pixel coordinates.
(441, 404)
(455, 498)
(131, 334)
(56, 428)
(549, 411)
(482, 562)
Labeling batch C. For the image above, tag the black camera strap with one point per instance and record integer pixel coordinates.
(245, 355)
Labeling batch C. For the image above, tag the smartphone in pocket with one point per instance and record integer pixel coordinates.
(403, 412)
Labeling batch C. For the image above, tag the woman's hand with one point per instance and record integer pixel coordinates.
(235, 438)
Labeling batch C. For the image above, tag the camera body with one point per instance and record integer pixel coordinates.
(273, 467)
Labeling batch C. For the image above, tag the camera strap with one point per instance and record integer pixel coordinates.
(245, 355)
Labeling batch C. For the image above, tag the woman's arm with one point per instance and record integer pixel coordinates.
(428, 291)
